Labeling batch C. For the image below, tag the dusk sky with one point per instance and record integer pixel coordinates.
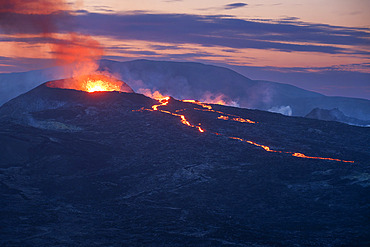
(322, 46)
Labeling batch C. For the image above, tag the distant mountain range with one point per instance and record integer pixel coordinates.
(186, 80)
(335, 115)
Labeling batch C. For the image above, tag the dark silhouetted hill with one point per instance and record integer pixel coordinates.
(95, 169)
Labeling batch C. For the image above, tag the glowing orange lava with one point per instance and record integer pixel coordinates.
(198, 103)
(319, 158)
(163, 102)
(99, 85)
(299, 155)
(92, 83)
(237, 119)
(224, 116)
(209, 108)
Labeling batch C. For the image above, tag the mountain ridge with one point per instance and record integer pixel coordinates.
(204, 82)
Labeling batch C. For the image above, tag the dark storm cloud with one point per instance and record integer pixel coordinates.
(288, 35)
(235, 5)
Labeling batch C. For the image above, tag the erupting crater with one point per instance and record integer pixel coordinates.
(92, 83)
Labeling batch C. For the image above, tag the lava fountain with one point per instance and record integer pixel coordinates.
(92, 83)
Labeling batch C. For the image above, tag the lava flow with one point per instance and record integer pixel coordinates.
(210, 109)
(236, 119)
(163, 102)
(224, 116)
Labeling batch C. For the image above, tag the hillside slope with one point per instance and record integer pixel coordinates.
(107, 169)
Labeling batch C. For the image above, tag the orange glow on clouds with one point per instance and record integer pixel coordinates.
(307, 10)
(239, 57)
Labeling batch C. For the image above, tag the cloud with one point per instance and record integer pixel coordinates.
(288, 34)
(235, 5)
(19, 64)
(229, 32)
(165, 47)
(103, 8)
(136, 52)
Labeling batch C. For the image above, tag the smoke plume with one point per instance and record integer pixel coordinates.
(42, 20)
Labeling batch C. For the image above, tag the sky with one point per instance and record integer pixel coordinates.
(318, 45)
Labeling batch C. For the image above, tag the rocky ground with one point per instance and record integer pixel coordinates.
(81, 169)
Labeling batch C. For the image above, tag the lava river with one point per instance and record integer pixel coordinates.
(227, 117)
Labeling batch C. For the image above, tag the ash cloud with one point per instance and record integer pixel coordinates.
(45, 19)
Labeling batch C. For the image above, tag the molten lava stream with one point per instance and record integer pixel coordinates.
(165, 102)
(236, 119)
(198, 103)
(209, 108)
(299, 155)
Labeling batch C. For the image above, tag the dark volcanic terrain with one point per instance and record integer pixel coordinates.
(93, 169)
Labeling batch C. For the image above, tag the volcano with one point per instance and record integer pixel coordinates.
(92, 83)
(113, 168)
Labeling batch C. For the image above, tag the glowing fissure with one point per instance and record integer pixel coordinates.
(230, 117)
(198, 103)
(236, 119)
(225, 116)
(163, 102)
(299, 155)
